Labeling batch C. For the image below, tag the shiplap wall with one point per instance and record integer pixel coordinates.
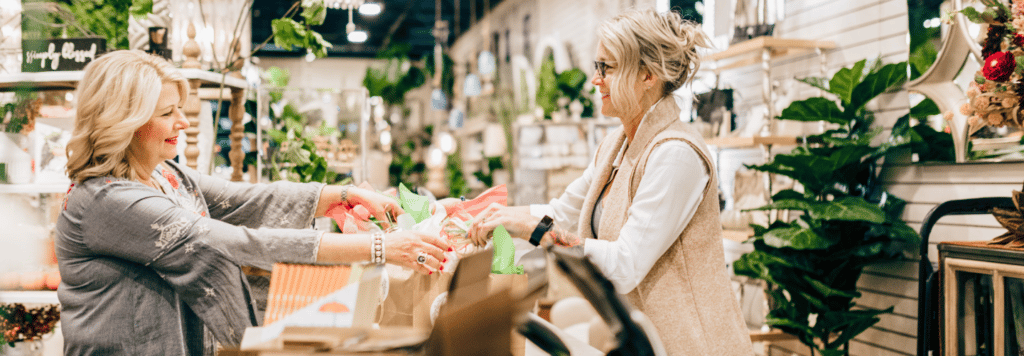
(861, 30)
(870, 29)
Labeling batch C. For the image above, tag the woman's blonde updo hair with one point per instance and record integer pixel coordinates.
(647, 42)
(117, 95)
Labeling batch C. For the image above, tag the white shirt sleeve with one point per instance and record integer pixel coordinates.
(667, 198)
(566, 209)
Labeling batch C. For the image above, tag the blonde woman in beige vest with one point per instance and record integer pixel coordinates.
(646, 209)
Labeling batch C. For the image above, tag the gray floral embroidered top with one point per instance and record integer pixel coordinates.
(150, 273)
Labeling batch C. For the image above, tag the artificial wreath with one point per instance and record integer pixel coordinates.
(995, 96)
(18, 323)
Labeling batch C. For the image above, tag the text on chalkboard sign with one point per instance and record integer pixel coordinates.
(61, 54)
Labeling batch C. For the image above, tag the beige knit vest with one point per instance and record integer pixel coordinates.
(687, 294)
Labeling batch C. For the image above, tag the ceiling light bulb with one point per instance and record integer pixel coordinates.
(357, 36)
(436, 158)
(310, 56)
(385, 138)
(446, 142)
(369, 9)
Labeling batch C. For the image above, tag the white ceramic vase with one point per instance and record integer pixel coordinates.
(24, 348)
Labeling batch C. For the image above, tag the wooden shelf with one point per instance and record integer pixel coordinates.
(751, 142)
(769, 336)
(749, 52)
(737, 235)
(29, 297)
(33, 188)
(68, 80)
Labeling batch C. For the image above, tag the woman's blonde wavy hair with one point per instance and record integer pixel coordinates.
(648, 42)
(117, 95)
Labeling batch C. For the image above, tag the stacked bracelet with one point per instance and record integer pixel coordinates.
(344, 195)
(377, 247)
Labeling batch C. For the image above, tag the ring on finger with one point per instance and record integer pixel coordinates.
(421, 258)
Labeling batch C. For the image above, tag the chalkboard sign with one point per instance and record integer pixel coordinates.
(60, 54)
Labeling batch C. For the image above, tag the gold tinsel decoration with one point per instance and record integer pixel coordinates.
(1012, 220)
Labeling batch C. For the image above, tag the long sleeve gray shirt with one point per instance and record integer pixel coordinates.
(146, 272)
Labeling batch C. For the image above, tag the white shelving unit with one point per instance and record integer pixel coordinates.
(33, 188)
(549, 155)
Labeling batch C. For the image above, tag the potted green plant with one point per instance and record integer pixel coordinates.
(555, 91)
(846, 220)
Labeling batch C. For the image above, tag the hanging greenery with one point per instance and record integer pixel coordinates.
(395, 77)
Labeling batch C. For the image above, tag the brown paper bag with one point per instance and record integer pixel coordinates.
(410, 297)
(515, 284)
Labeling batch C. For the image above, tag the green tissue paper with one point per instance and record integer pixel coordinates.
(416, 205)
(504, 253)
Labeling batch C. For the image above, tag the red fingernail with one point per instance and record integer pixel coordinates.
(442, 268)
(430, 272)
(449, 249)
(445, 260)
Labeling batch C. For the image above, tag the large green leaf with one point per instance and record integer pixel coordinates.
(827, 291)
(845, 80)
(796, 237)
(849, 324)
(875, 84)
(790, 194)
(314, 12)
(287, 33)
(925, 108)
(786, 204)
(779, 322)
(816, 82)
(847, 209)
(814, 109)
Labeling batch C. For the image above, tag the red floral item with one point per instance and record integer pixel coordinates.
(171, 178)
(999, 66)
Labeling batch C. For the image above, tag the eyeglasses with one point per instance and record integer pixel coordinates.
(601, 67)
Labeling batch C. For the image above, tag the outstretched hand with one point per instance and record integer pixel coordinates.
(516, 220)
(379, 205)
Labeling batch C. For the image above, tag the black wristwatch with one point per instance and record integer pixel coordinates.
(542, 228)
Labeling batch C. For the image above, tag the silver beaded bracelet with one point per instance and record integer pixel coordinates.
(377, 247)
(344, 194)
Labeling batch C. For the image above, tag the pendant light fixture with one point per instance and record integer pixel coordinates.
(350, 5)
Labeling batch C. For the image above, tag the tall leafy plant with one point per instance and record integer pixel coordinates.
(846, 222)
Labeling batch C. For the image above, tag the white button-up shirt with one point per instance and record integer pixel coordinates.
(666, 199)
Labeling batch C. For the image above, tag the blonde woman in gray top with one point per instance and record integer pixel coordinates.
(149, 250)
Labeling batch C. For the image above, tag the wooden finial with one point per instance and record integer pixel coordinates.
(191, 49)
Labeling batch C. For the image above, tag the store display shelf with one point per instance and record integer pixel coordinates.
(737, 235)
(68, 80)
(33, 188)
(751, 142)
(29, 297)
(750, 52)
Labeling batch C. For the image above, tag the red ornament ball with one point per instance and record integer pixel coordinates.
(999, 66)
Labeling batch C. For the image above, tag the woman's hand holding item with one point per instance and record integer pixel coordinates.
(379, 205)
(405, 248)
(516, 220)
